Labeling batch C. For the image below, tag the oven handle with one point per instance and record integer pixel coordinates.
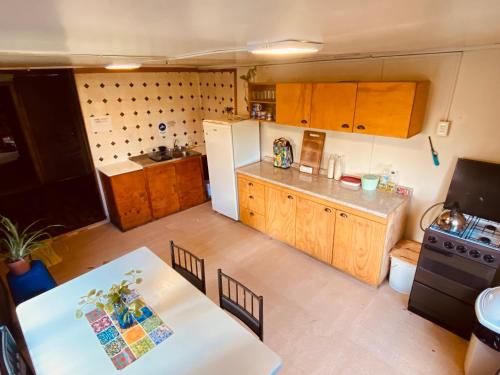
(438, 250)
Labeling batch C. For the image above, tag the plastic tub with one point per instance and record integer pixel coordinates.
(401, 275)
(369, 182)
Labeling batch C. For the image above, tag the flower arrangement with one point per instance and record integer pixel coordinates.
(115, 298)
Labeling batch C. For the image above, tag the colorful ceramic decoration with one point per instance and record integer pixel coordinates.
(124, 346)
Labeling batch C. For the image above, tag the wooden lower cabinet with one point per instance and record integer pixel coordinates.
(314, 229)
(358, 246)
(156, 191)
(162, 190)
(357, 243)
(127, 199)
(189, 182)
(281, 206)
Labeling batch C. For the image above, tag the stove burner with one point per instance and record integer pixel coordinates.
(490, 227)
(484, 239)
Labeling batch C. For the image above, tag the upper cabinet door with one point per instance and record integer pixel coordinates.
(293, 103)
(392, 109)
(333, 106)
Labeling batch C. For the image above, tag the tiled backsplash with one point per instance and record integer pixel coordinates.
(138, 102)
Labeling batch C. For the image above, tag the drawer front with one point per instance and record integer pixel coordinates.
(251, 195)
(253, 219)
(257, 204)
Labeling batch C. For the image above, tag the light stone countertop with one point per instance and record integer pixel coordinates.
(374, 202)
(121, 167)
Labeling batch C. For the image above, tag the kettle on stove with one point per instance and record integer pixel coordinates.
(452, 220)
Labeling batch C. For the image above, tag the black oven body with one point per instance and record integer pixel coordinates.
(448, 282)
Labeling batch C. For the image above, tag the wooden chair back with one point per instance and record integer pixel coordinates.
(189, 266)
(242, 303)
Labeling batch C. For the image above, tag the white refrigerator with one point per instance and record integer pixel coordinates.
(229, 145)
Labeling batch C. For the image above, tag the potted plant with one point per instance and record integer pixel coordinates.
(116, 299)
(17, 245)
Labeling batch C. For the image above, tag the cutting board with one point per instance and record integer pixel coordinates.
(312, 151)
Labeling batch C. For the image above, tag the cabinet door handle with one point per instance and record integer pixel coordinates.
(250, 184)
(303, 121)
(290, 197)
(250, 196)
(251, 213)
(361, 127)
(343, 215)
(345, 126)
(328, 210)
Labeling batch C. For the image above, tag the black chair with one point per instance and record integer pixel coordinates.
(240, 301)
(11, 359)
(189, 266)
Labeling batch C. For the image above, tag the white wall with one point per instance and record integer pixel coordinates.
(465, 88)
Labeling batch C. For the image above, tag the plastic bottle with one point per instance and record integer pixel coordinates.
(338, 167)
(331, 166)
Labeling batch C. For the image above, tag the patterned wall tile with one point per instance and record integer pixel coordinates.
(138, 102)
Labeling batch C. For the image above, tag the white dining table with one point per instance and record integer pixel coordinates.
(205, 339)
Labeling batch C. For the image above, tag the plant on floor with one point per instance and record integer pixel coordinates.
(16, 245)
(115, 298)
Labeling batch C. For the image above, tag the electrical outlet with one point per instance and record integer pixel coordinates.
(443, 128)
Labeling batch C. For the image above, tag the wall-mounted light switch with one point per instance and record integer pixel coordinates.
(443, 128)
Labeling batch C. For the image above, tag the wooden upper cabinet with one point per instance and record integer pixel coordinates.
(393, 109)
(162, 190)
(293, 103)
(358, 247)
(314, 229)
(332, 106)
(281, 206)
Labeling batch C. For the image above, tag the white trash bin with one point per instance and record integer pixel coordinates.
(404, 258)
(483, 353)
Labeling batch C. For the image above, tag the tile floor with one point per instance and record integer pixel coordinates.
(319, 320)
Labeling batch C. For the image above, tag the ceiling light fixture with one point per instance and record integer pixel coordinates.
(285, 47)
(123, 66)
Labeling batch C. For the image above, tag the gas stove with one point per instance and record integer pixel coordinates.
(479, 241)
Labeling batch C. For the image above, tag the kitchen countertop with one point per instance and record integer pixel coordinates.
(138, 162)
(374, 202)
(121, 167)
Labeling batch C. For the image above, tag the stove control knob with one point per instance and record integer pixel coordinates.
(432, 239)
(449, 245)
(461, 248)
(489, 258)
(474, 253)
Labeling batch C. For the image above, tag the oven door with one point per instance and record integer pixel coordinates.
(453, 274)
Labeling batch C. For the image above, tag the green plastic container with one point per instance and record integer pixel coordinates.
(369, 182)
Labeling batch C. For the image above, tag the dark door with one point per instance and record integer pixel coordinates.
(49, 127)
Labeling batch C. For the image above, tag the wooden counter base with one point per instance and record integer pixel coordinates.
(353, 241)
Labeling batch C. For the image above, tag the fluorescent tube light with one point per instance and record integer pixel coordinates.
(127, 66)
(285, 47)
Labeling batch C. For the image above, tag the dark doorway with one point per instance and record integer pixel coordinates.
(46, 170)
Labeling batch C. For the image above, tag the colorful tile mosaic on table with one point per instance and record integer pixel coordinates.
(138, 102)
(124, 346)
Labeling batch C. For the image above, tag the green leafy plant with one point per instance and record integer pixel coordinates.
(249, 77)
(15, 244)
(115, 296)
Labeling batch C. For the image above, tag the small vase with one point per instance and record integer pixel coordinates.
(125, 319)
(19, 267)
